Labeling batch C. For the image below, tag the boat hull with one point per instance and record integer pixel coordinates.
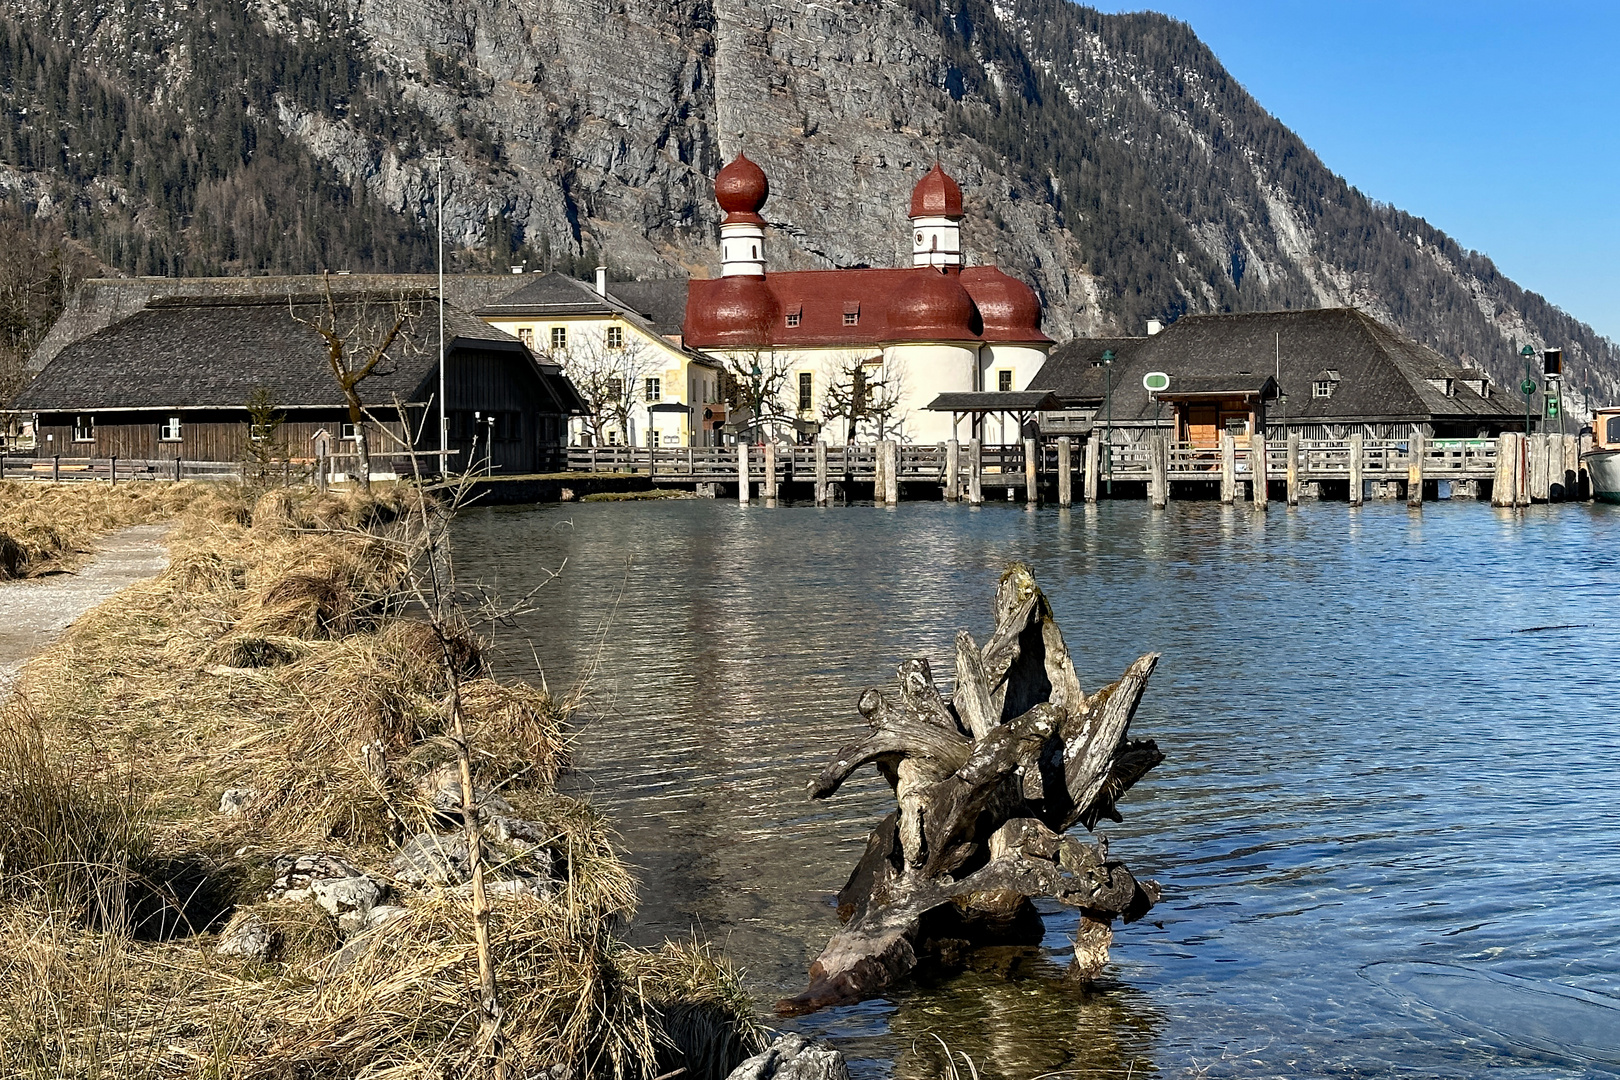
(1603, 466)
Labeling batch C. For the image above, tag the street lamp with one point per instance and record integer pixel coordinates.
(1108, 442)
(1528, 386)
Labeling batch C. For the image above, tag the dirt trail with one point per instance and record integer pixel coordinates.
(34, 612)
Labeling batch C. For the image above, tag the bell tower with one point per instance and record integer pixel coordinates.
(741, 189)
(936, 215)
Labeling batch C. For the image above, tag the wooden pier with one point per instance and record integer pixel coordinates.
(1512, 470)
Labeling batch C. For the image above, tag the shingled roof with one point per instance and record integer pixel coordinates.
(1383, 376)
(656, 307)
(214, 352)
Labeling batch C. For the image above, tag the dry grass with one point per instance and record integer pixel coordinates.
(274, 654)
(46, 528)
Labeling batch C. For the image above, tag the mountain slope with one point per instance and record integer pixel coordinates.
(1109, 160)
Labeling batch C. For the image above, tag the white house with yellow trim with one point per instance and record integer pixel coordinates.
(625, 340)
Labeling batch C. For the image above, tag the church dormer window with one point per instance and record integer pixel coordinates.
(793, 315)
(852, 313)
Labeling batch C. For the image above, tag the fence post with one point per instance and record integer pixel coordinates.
(1158, 471)
(1260, 484)
(1228, 469)
(1293, 468)
(177, 468)
(1356, 443)
(56, 469)
(112, 470)
(1065, 471)
(976, 473)
(770, 471)
(1093, 467)
(821, 472)
(1415, 447)
(953, 471)
(1032, 484)
(320, 466)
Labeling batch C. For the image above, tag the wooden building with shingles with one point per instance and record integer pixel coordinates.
(174, 379)
(1327, 374)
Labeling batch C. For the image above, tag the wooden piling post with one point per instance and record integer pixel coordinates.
(1260, 485)
(1572, 467)
(953, 471)
(1293, 468)
(1357, 448)
(1539, 479)
(1065, 471)
(1093, 467)
(1032, 483)
(742, 472)
(821, 472)
(1228, 469)
(976, 473)
(1521, 470)
(889, 453)
(1415, 447)
(1158, 471)
(1502, 482)
(770, 471)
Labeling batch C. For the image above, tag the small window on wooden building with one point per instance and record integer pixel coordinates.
(170, 430)
(559, 337)
(1322, 388)
(807, 384)
(84, 429)
(1004, 381)
(615, 337)
(351, 433)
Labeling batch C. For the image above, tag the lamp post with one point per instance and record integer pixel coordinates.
(444, 415)
(1528, 386)
(1108, 399)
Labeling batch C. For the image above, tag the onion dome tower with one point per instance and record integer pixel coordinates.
(936, 213)
(741, 189)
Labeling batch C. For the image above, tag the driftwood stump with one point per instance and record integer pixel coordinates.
(988, 782)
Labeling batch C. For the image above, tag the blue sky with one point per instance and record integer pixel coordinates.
(1498, 123)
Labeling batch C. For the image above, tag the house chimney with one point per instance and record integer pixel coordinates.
(601, 281)
(1154, 326)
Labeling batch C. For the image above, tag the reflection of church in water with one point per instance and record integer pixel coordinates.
(934, 327)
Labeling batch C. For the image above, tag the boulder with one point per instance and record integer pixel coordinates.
(793, 1057)
(247, 936)
(331, 882)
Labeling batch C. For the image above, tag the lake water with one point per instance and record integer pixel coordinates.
(1387, 823)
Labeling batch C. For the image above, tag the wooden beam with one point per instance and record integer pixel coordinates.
(976, 473)
(1293, 468)
(821, 472)
(953, 470)
(890, 453)
(1031, 473)
(1228, 469)
(1093, 467)
(1415, 448)
(742, 473)
(1259, 486)
(770, 471)
(1357, 445)
(1065, 450)
(1158, 471)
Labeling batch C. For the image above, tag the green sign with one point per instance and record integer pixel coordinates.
(1527, 388)
(1154, 381)
(1552, 407)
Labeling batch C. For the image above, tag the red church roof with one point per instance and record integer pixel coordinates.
(936, 195)
(741, 189)
(859, 308)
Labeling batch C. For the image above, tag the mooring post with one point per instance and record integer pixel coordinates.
(770, 471)
(1356, 443)
(1065, 471)
(1502, 481)
(1415, 447)
(1228, 468)
(821, 472)
(1538, 468)
(1521, 469)
(1093, 467)
(1260, 482)
(953, 471)
(976, 473)
(1293, 468)
(890, 453)
(1158, 472)
(1032, 473)
(742, 472)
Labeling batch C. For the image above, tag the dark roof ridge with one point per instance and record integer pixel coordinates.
(265, 300)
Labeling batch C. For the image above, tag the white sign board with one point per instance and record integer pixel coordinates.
(1155, 381)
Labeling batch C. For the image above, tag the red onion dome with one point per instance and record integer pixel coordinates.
(741, 189)
(936, 195)
(739, 310)
(932, 306)
(1010, 309)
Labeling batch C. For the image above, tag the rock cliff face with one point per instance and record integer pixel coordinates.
(1108, 160)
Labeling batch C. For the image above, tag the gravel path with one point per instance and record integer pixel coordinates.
(34, 612)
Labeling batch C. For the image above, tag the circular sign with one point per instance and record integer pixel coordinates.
(1527, 388)
(1154, 381)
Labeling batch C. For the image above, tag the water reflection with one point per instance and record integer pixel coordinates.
(1366, 761)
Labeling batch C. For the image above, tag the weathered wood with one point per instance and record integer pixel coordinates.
(953, 471)
(1159, 471)
(1093, 467)
(1260, 484)
(1522, 469)
(742, 472)
(821, 472)
(1416, 446)
(769, 487)
(1228, 469)
(1065, 452)
(976, 473)
(1572, 467)
(891, 473)
(1502, 493)
(1032, 489)
(1539, 478)
(1293, 468)
(1357, 462)
(987, 783)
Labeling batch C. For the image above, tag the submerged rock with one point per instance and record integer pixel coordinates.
(793, 1057)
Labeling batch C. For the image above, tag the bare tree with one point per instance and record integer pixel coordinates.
(358, 341)
(37, 276)
(609, 381)
(862, 394)
(757, 379)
